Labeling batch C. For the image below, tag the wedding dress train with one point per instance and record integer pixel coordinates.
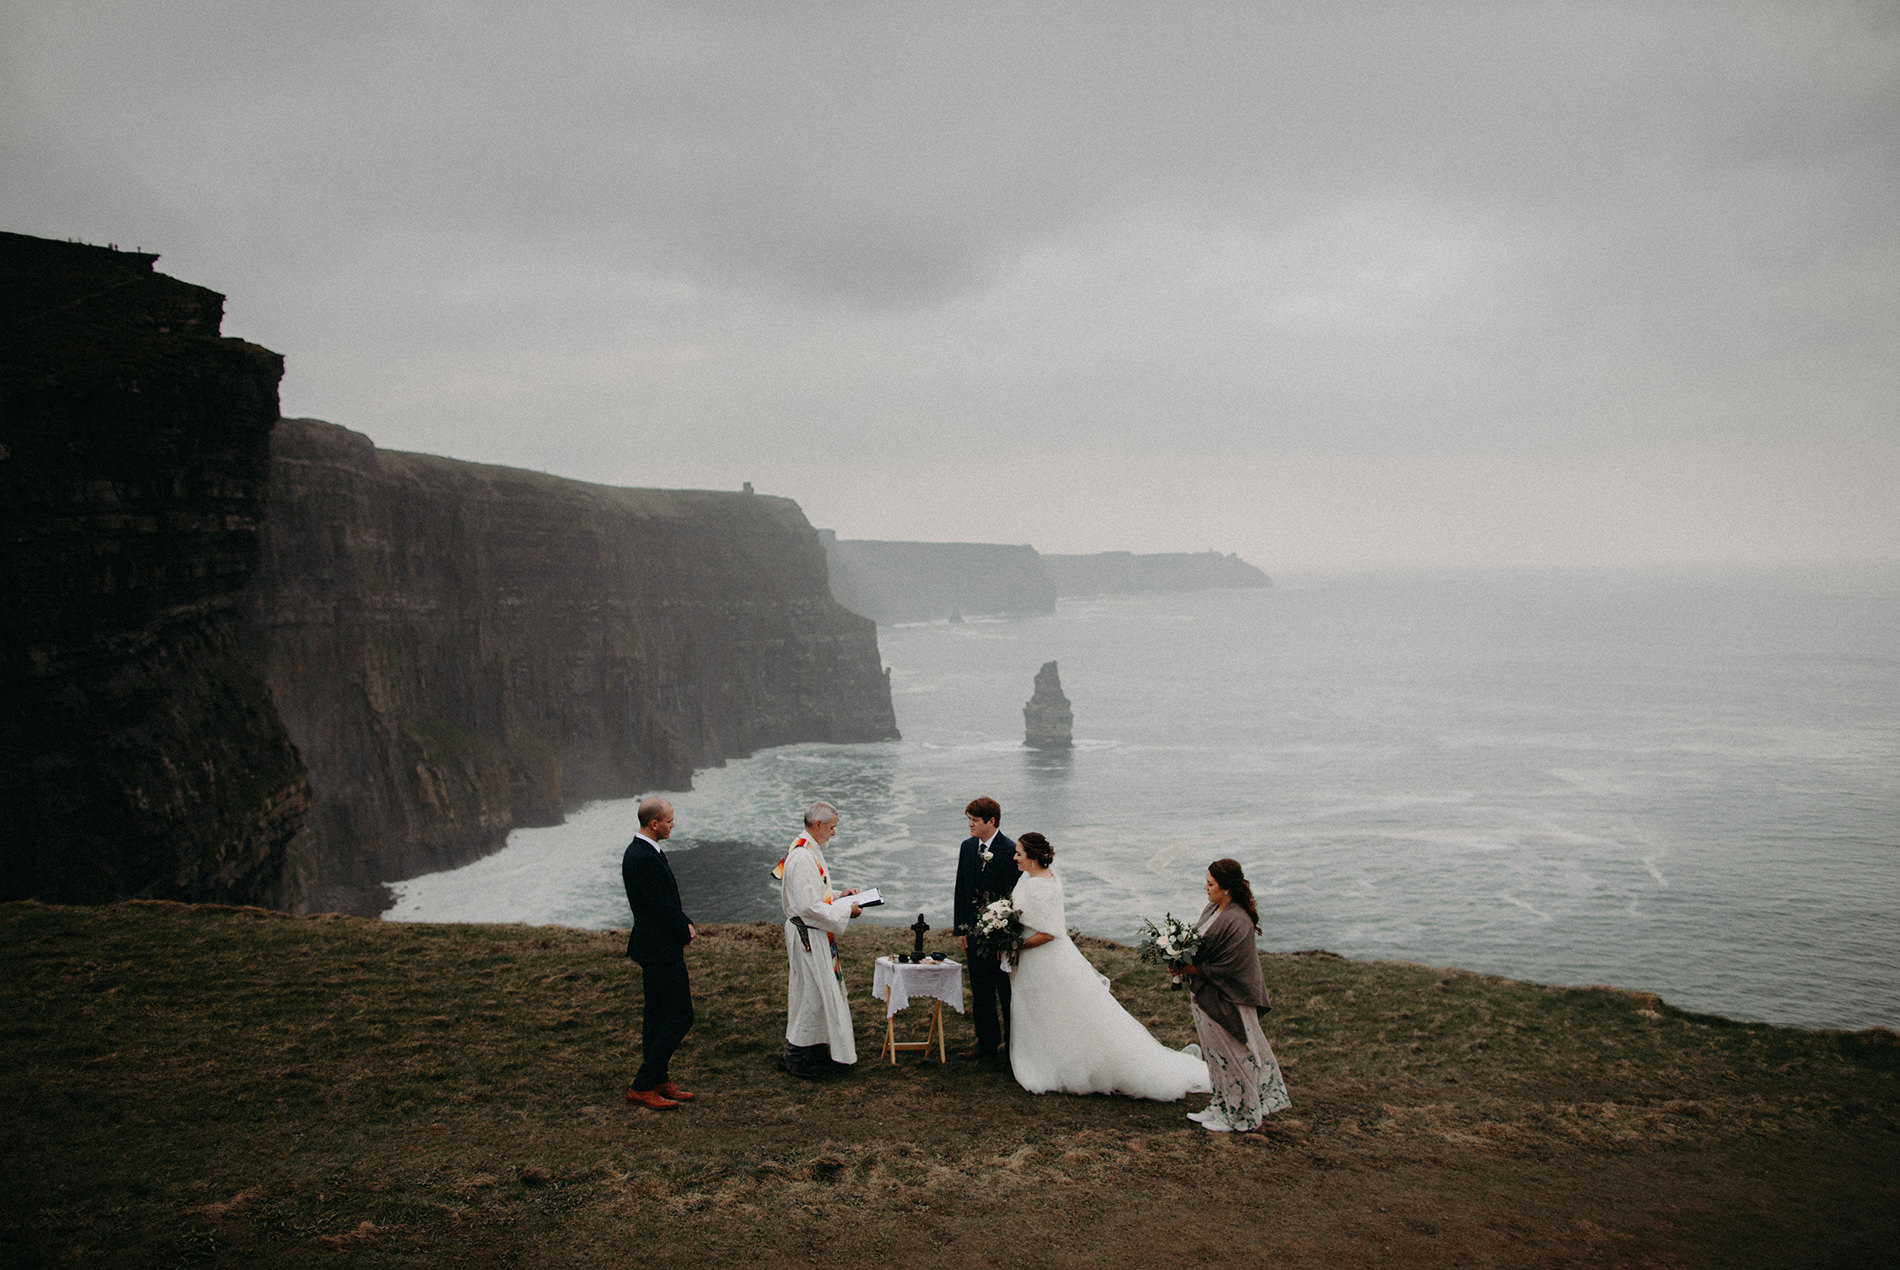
(1068, 1034)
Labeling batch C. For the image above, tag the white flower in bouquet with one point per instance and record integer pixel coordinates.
(1173, 943)
(998, 931)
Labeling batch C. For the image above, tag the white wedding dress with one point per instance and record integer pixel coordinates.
(1067, 1033)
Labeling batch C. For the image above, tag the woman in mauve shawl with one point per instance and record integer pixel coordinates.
(1229, 994)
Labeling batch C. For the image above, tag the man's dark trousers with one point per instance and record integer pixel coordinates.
(667, 1019)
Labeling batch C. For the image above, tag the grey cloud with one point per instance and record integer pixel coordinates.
(1229, 231)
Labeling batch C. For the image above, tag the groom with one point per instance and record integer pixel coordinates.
(986, 870)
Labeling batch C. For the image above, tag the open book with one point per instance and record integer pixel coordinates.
(865, 898)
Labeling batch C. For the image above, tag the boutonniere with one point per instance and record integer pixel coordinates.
(985, 853)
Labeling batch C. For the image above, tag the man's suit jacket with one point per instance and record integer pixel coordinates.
(976, 879)
(659, 923)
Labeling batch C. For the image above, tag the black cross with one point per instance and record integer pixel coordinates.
(920, 926)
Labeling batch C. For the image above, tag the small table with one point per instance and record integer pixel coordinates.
(895, 983)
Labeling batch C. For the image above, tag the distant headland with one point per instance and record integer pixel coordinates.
(935, 581)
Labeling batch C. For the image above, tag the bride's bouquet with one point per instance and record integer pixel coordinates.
(998, 931)
(1173, 942)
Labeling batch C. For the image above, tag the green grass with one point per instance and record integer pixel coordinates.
(216, 1086)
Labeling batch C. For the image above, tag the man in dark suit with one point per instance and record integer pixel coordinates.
(661, 931)
(986, 870)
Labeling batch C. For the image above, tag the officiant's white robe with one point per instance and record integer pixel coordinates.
(815, 1008)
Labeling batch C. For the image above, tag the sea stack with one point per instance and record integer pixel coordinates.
(1048, 723)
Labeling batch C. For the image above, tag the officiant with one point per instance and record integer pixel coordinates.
(818, 1038)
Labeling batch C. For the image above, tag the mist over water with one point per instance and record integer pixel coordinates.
(1679, 781)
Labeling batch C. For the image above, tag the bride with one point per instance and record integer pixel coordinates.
(1067, 1034)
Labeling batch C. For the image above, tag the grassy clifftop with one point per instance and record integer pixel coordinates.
(216, 1086)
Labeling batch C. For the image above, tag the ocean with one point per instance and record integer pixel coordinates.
(1679, 781)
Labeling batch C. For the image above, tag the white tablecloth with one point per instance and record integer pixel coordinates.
(940, 979)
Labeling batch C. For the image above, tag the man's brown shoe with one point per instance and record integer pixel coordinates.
(650, 1098)
(976, 1053)
(667, 1089)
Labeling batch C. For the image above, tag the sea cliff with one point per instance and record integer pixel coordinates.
(458, 649)
(139, 753)
(266, 663)
(1123, 572)
(930, 581)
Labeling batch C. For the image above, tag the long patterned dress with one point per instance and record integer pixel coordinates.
(1248, 1086)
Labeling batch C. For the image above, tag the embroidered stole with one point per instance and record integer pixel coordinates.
(778, 871)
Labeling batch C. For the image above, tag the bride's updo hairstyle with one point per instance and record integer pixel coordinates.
(1229, 878)
(1037, 848)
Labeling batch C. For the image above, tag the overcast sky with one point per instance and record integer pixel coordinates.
(1323, 284)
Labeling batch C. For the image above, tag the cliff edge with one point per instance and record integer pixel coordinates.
(458, 649)
(139, 753)
(263, 662)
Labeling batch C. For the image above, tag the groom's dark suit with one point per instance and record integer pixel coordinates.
(657, 942)
(976, 883)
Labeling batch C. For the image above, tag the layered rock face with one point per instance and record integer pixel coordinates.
(139, 752)
(458, 649)
(188, 587)
(1123, 572)
(930, 581)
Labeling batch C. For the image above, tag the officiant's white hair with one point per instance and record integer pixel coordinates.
(820, 813)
